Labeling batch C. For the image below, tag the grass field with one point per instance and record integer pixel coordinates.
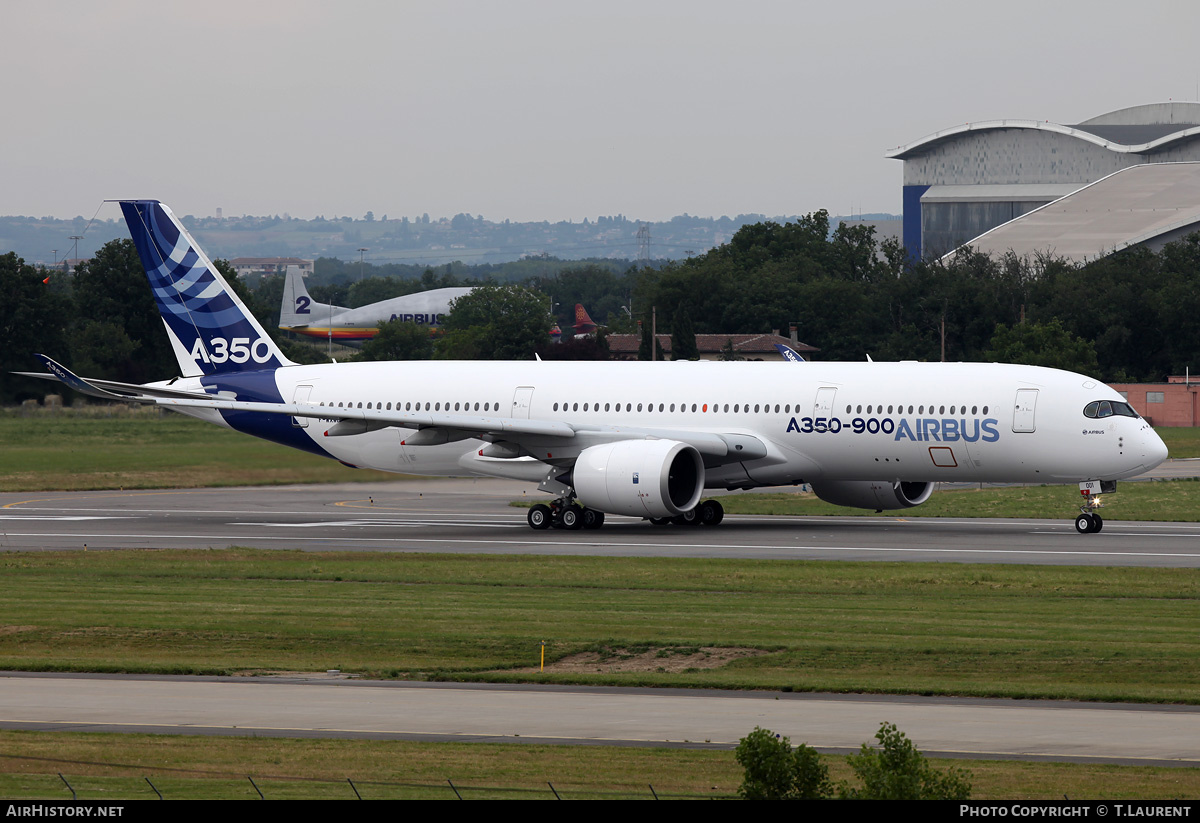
(146, 449)
(1017, 631)
(111, 767)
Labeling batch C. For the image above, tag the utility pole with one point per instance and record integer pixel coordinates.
(76, 238)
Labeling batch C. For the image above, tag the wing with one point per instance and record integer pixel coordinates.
(552, 441)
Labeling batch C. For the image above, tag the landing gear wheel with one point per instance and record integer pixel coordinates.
(660, 521)
(1098, 523)
(1085, 524)
(691, 517)
(592, 519)
(711, 513)
(572, 518)
(539, 517)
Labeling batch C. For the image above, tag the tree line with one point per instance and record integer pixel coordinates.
(1133, 315)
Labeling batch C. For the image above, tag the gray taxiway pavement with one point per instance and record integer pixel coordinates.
(1027, 729)
(464, 515)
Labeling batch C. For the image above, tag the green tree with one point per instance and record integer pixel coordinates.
(1042, 344)
(399, 340)
(111, 288)
(495, 322)
(644, 350)
(683, 338)
(776, 771)
(34, 317)
(898, 771)
(728, 352)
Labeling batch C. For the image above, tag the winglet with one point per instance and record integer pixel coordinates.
(788, 353)
(74, 381)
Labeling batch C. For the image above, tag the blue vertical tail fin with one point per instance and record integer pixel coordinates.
(211, 330)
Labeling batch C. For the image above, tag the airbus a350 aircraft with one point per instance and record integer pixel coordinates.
(640, 439)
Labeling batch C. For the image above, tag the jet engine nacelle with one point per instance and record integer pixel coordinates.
(873, 494)
(643, 478)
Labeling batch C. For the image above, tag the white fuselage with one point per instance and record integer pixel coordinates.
(819, 421)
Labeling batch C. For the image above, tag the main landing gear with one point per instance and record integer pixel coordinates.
(706, 513)
(565, 513)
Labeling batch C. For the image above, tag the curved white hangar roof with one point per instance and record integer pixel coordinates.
(1135, 130)
(1154, 204)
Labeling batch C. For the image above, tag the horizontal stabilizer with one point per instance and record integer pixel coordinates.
(107, 389)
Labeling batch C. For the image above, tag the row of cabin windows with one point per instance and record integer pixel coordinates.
(738, 408)
(429, 406)
(683, 407)
(920, 409)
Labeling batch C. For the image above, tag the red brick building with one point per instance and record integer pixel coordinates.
(1173, 403)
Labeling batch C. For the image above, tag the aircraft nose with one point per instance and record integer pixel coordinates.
(1154, 448)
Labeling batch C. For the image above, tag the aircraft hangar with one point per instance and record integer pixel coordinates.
(961, 182)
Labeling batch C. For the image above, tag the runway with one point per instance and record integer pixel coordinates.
(955, 727)
(464, 515)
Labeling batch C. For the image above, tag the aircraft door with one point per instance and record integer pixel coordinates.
(1024, 410)
(823, 407)
(299, 398)
(522, 399)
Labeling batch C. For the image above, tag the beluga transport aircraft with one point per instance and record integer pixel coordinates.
(301, 314)
(638, 439)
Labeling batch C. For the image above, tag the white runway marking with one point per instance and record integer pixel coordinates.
(64, 517)
(402, 524)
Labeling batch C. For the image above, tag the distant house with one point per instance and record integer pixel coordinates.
(714, 346)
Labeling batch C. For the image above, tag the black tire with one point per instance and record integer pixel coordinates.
(691, 517)
(711, 513)
(592, 519)
(572, 518)
(660, 521)
(539, 517)
(1099, 524)
(1084, 524)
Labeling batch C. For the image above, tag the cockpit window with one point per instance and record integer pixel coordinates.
(1107, 408)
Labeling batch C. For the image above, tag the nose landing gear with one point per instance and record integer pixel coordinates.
(1088, 521)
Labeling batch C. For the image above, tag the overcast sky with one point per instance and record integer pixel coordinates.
(541, 110)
